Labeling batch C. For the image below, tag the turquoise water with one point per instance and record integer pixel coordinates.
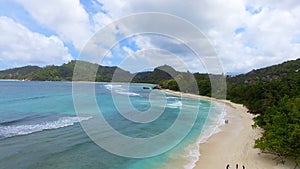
(39, 127)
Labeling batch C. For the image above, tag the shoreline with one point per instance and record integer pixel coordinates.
(234, 143)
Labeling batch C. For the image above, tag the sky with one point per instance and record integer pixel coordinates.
(245, 34)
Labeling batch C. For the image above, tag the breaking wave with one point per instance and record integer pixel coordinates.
(24, 129)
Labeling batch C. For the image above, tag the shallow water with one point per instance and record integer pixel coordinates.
(39, 127)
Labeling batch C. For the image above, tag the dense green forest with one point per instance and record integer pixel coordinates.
(273, 93)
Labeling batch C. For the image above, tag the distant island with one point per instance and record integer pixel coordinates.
(273, 93)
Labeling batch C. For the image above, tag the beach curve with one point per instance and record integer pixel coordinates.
(235, 143)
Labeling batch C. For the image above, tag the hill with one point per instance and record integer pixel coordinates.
(267, 74)
(158, 75)
(18, 73)
(104, 73)
(263, 87)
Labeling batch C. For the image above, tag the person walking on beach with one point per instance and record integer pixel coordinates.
(243, 167)
(227, 166)
(237, 166)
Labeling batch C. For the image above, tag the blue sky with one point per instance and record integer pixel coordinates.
(245, 34)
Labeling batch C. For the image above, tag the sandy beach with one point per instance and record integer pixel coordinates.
(234, 144)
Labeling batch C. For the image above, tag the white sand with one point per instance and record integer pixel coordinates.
(234, 144)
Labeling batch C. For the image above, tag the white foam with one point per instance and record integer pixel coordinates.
(127, 93)
(207, 132)
(175, 104)
(193, 155)
(15, 130)
(112, 86)
(119, 90)
(171, 97)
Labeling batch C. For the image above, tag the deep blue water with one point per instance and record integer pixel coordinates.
(39, 127)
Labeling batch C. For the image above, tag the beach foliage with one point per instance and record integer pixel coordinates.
(281, 126)
(273, 94)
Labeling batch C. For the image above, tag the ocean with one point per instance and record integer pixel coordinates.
(40, 129)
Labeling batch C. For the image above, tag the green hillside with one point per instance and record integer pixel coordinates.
(156, 76)
(267, 74)
(18, 73)
(104, 73)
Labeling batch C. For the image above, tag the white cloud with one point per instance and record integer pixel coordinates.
(100, 20)
(266, 41)
(269, 27)
(19, 46)
(66, 17)
(147, 59)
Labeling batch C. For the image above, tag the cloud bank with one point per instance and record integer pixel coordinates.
(245, 34)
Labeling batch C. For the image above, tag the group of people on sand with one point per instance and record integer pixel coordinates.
(236, 166)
